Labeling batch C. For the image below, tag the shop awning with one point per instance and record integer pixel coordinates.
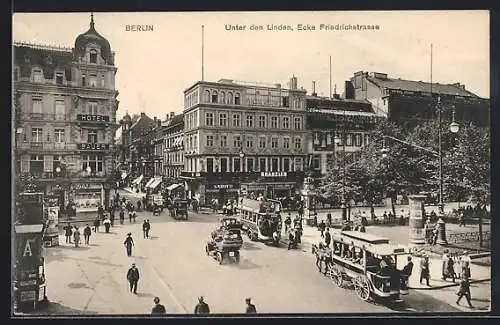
(124, 175)
(151, 180)
(155, 183)
(138, 179)
(173, 186)
(28, 229)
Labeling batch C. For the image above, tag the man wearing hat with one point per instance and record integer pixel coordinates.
(158, 308)
(250, 307)
(201, 307)
(129, 242)
(133, 278)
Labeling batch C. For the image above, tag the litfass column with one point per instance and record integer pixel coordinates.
(416, 222)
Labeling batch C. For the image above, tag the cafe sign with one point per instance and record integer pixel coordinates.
(273, 174)
(92, 118)
(93, 146)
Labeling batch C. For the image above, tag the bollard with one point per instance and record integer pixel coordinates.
(416, 225)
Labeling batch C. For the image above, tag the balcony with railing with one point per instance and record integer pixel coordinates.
(45, 117)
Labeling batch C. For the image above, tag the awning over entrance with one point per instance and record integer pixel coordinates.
(138, 179)
(154, 184)
(151, 180)
(173, 186)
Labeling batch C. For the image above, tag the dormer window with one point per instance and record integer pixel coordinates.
(93, 56)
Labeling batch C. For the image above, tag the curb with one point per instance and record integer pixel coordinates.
(447, 285)
(480, 255)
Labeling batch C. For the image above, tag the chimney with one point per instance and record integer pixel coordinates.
(349, 90)
(159, 122)
(314, 89)
(154, 118)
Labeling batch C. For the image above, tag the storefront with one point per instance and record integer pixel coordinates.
(87, 197)
(221, 192)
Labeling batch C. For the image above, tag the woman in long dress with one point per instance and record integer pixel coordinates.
(76, 237)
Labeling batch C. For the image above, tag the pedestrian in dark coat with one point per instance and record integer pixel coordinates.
(408, 268)
(158, 308)
(112, 217)
(129, 243)
(68, 232)
(122, 216)
(130, 216)
(86, 234)
(201, 307)
(464, 290)
(133, 278)
(250, 307)
(328, 237)
(145, 228)
(97, 222)
(424, 270)
(329, 219)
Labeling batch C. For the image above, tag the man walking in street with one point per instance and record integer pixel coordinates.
(464, 290)
(133, 278)
(97, 222)
(68, 232)
(86, 234)
(122, 216)
(424, 270)
(145, 228)
(250, 307)
(328, 237)
(201, 307)
(129, 242)
(158, 308)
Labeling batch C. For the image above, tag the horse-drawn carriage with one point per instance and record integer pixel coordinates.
(179, 209)
(366, 261)
(226, 241)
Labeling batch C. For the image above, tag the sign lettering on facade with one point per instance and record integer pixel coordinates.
(93, 146)
(92, 118)
(27, 248)
(85, 186)
(273, 174)
(223, 186)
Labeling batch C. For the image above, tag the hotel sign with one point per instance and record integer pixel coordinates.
(92, 118)
(273, 174)
(93, 146)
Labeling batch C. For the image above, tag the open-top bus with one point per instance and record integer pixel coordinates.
(369, 263)
(259, 220)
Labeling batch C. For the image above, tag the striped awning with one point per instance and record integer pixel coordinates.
(155, 183)
(151, 180)
(173, 186)
(138, 179)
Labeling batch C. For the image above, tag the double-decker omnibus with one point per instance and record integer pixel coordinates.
(259, 219)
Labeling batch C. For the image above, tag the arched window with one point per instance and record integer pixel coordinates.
(93, 56)
(222, 97)
(214, 96)
(229, 98)
(237, 99)
(207, 96)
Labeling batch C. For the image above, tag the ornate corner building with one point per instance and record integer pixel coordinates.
(65, 104)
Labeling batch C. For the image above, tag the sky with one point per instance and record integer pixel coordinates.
(155, 67)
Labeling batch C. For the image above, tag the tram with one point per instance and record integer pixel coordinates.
(259, 220)
(368, 262)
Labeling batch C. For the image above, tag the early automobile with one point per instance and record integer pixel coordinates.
(179, 209)
(225, 243)
(369, 263)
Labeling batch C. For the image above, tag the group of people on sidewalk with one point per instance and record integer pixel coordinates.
(200, 308)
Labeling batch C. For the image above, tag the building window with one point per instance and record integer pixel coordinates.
(222, 119)
(223, 165)
(274, 122)
(284, 101)
(367, 139)
(36, 134)
(262, 164)
(222, 97)
(274, 142)
(209, 117)
(237, 165)
(59, 135)
(286, 164)
(95, 162)
(237, 99)
(316, 163)
(249, 142)
(59, 78)
(249, 121)
(93, 56)
(37, 105)
(349, 139)
(274, 164)
(36, 164)
(262, 142)
(91, 136)
(286, 143)
(286, 122)
(103, 83)
(210, 165)
(358, 140)
(237, 141)
(223, 140)
(298, 143)
(195, 141)
(236, 120)
(84, 80)
(37, 76)
(214, 96)
(206, 98)
(210, 140)
(250, 164)
(339, 137)
(262, 121)
(92, 80)
(60, 109)
(297, 123)
(92, 108)
(298, 165)
(229, 98)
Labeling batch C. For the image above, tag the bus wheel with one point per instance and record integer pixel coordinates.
(219, 257)
(362, 288)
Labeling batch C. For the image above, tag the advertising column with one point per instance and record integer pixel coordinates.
(417, 236)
